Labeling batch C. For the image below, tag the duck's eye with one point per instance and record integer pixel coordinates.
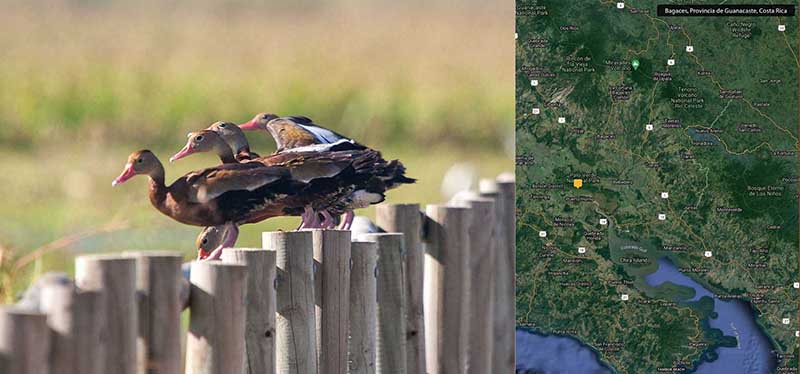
(222, 125)
(265, 116)
(205, 240)
(139, 161)
(198, 138)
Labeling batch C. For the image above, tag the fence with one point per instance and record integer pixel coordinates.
(434, 293)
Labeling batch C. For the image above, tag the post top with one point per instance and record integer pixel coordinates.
(115, 257)
(151, 254)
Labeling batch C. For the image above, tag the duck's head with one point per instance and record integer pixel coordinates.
(202, 141)
(139, 162)
(259, 122)
(209, 239)
(231, 133)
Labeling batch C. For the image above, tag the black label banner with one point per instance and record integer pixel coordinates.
(726, 10)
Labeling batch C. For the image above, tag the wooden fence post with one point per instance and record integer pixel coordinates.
(503, 360)
(407, 219)
(158, 282)
(481, 285)
(215, 344)
(115, 277)
(361, 346)
(445, 288)
(75, 321)
(391, 294)
(295, 337)
(260, 295)
(332, 294)
(24, 341)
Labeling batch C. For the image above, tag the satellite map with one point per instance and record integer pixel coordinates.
(657, 199)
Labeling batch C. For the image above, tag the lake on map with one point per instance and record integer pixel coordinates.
(554, 354)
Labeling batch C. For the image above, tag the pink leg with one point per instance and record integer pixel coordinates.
(310, 219)
(231, 235)
(328, 222)
(303, 218)
(348, 219)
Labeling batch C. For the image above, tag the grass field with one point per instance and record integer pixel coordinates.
(84, 83)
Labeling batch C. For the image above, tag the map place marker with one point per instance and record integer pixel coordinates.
(786, 321)
(796, 285)
(781, 28)
(648, 127)
(620, 5)
(624, 297)
(662, 217)
(535, 111)
(603, 221)
(578, 183)
(534, 82)
(665, 195)
(635, 64)
(562, 120)
(542, 234)
(707, 254)
(671, 62)
(689, 48)
(581, 249)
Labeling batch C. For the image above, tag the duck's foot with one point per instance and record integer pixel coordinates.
(231, 234)
(348, 220)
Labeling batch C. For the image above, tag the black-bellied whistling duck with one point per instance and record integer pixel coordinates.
(296, 132)
(212, 240)
(230, 194)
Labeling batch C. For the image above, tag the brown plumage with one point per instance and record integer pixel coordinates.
(226, 194)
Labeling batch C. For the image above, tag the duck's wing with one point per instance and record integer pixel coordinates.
(298, 131)
(208, 184)
(307, 166)
(289, 134)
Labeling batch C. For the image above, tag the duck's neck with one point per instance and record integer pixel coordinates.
(225, 154)
(158, 190)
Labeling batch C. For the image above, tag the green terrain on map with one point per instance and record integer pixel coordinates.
(721, 142)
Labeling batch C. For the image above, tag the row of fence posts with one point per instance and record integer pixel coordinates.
(434, 293)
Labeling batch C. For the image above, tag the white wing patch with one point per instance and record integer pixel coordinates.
(322, 135)
(319, 147)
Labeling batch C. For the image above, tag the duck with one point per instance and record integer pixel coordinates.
(293, 132)
(339, 180)
(226, 195)
(212, 240)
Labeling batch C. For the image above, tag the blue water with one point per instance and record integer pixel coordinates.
(554, 354)
(735, 318)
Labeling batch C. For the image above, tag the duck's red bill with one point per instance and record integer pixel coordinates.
(249, 126)
(202, 254)
(187, 150)
(127, 173)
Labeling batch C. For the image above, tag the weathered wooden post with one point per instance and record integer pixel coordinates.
(332, 294)
(215, 344)
(391, 310)
(407, 219)
(295, 337)
(115, 277)
(158, 284)
(75, 320)
(24, 341)
(361, 346)
(481, 285)
(260, 295)
(445, 289)
(502, 190)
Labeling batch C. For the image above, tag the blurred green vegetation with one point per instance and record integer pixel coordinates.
(84, 83)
